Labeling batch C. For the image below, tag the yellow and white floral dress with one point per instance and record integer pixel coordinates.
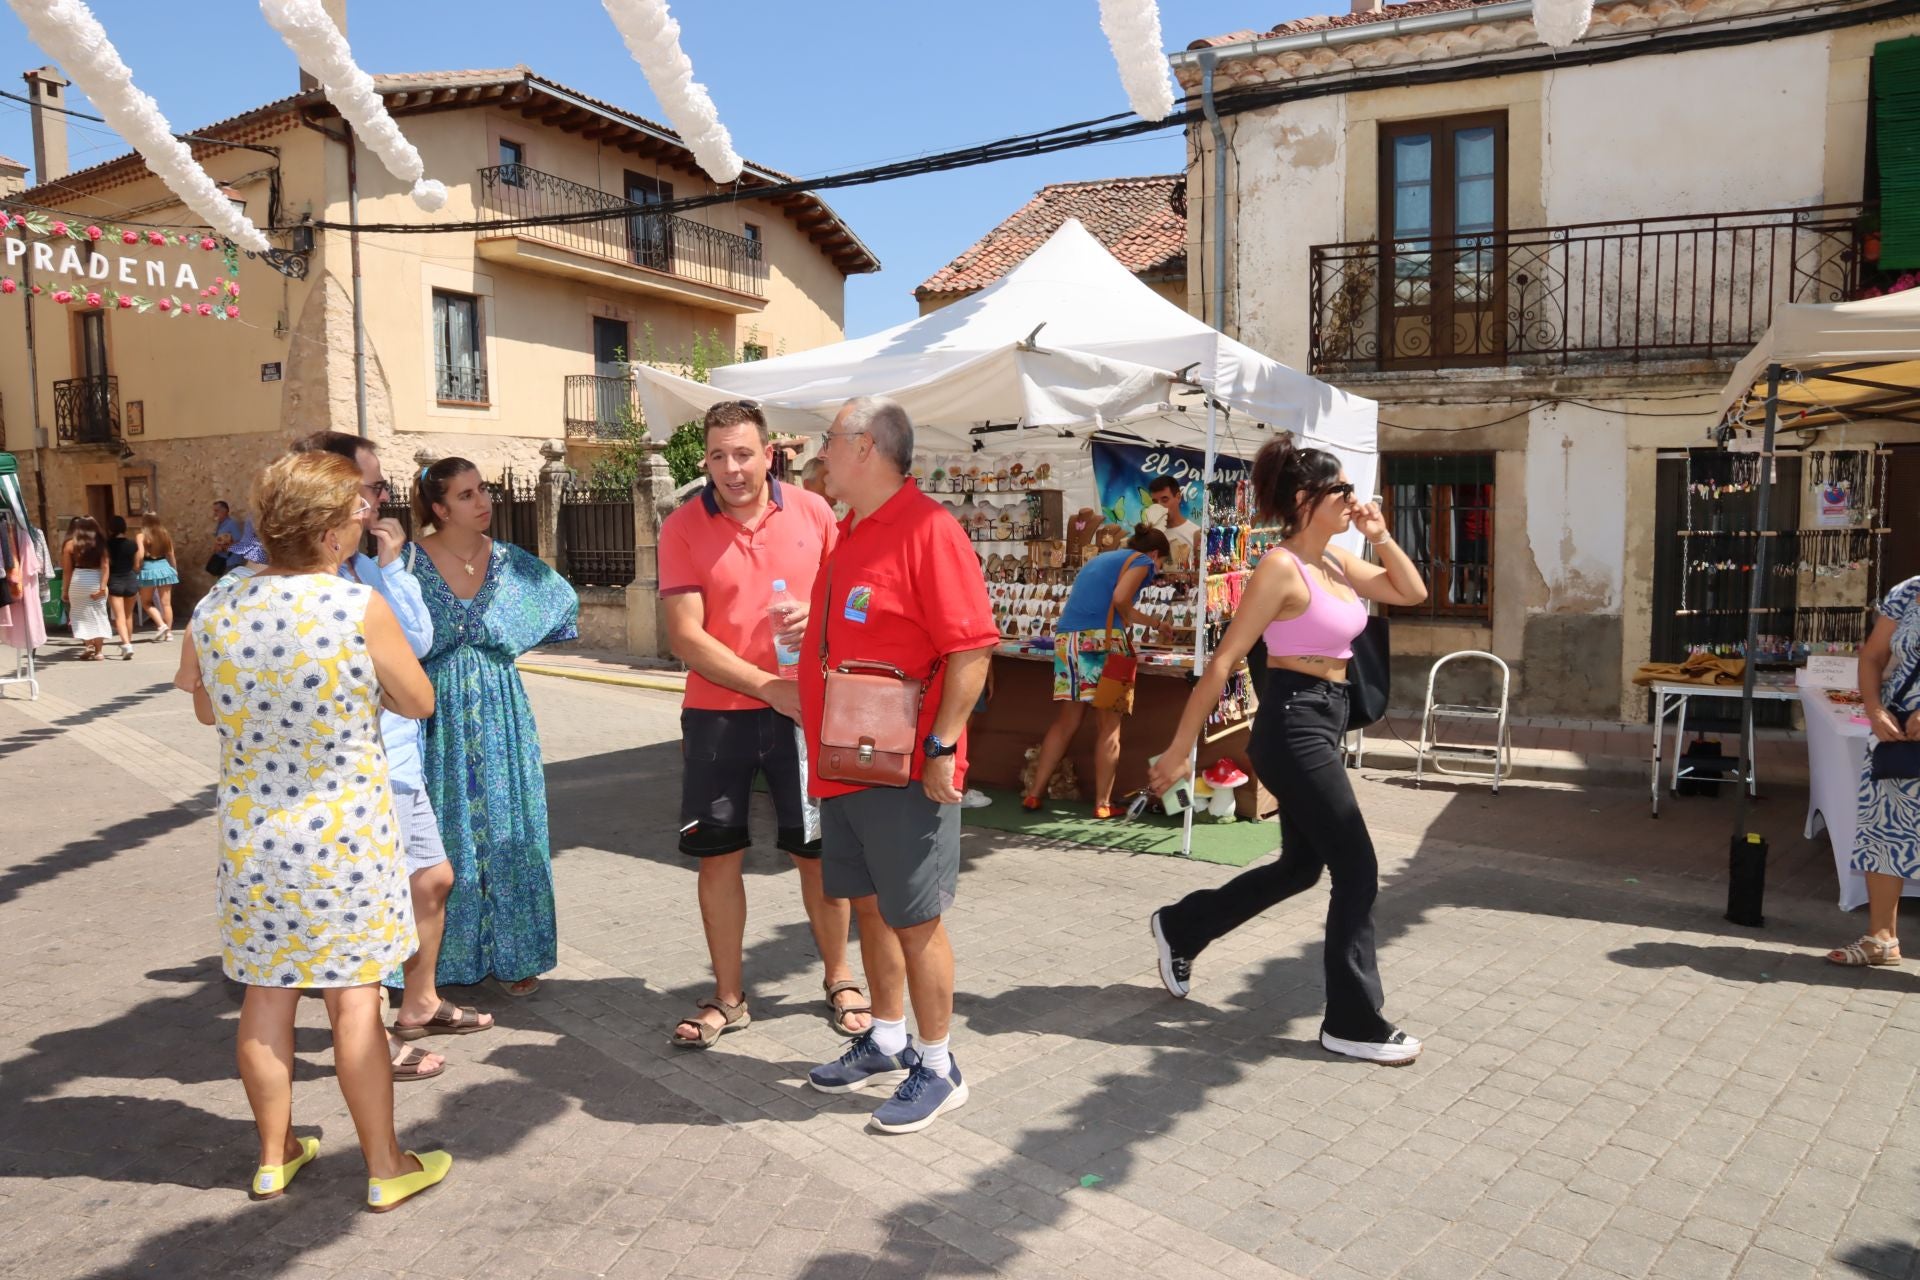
(312, 887)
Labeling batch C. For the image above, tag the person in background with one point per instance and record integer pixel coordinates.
(1183, 535)
(721, 556)
(1886, 846)
(1103, 593)
(422, 1012)
(226, 532)
(84, 569)
(123, 581)
(1308, 599)
(490, 602)
(903, 588)
(813, 477)
(292, 665)
(157, 575)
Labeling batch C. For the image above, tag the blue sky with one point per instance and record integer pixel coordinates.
(808, 88)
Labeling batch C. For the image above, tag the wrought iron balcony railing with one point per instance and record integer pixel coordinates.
(661, 242)
(600, 407)
(87, 410)
(1694, 287)
(460, 384)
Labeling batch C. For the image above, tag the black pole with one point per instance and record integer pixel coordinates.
(1747, 853)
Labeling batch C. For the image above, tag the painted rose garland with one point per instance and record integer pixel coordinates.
(107, 278)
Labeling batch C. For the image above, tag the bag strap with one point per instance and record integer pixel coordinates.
(827, 620)
(1113, 603)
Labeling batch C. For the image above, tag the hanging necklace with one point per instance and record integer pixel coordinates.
(467, 562)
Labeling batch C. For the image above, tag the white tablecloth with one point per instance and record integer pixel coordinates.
(1836, 757)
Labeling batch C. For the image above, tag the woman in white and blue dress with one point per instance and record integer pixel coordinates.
(1886, 847)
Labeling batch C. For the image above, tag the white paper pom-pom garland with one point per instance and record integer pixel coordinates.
(67, 30)
(323, 53)
(1561, 22)
(1133, 29)
(653, 38)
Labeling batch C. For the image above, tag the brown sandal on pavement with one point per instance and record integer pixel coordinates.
(448, 1020)
(837, 1013)
(737, 1019)
(407, 1065)
(1868, 951)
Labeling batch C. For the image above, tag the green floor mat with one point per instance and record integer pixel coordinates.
(1232, 844)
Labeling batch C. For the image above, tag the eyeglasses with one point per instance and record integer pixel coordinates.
(362, 509)
(845, 435)
(381, 489)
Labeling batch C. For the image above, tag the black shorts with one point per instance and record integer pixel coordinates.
(124, 586)
(722, 752)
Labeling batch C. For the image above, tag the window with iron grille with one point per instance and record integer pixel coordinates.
(459, 354)
(752, 351)
(1439, 507)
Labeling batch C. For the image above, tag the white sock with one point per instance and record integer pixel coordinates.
(889, 1037)
(934, 1054)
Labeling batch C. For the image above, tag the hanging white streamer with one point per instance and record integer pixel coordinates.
(1133, 29)
(323, 54)
(68, 31)
(653, 38)
(1561, 22)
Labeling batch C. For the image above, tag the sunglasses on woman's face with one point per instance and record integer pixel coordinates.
(1342, 490)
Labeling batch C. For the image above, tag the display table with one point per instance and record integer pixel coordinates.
(1836, 758)
(1671, 698)
(1021, 707)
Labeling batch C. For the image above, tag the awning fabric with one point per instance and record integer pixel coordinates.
(1848, 361)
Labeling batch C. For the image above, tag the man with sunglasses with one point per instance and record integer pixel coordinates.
(430, 876)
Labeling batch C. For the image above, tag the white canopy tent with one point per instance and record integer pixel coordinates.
(1817, 366)
(1066, 344)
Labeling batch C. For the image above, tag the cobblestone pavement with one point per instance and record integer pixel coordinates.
(1616, 1084)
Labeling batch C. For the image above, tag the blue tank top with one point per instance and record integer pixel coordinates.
(1092, 594)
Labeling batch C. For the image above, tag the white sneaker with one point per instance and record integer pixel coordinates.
(975, 799)
(1397, 1050)
(126, 652)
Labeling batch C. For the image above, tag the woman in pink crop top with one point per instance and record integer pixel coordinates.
(1307, 600)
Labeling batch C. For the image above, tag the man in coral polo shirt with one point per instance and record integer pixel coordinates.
(902, 587)
(720, 555)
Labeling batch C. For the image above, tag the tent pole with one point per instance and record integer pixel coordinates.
(1748, 911)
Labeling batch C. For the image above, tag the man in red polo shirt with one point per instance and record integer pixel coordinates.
(721, 555)
(902, 587)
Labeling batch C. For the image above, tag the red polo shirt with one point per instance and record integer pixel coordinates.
(907, 590)
(733, 566)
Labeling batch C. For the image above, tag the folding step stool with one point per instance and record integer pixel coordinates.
(1473, 760)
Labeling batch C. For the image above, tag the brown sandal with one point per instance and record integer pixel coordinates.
(406, 1066)
(737, 1019)
(448, 1020)
(837, 1014)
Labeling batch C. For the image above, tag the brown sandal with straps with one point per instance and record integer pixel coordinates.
(837, 1013)
(736, 1015)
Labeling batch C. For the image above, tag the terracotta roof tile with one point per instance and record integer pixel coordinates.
(8, 162)
(1135, 218)
(1319, 21)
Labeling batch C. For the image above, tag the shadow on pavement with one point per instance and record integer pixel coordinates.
(106, 843)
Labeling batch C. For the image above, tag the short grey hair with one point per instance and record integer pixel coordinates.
(888, 425)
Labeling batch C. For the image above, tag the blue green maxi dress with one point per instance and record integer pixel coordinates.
(480, 753)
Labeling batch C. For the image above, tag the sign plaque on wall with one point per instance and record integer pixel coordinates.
(270, 372)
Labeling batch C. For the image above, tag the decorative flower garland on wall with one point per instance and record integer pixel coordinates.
(324, 54)
(217, 301)
(1133, 30)
(68, 31)
(653, 38)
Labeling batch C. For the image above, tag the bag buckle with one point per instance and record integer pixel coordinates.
(865, 754)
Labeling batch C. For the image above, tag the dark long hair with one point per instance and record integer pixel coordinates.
(1149, 541)
(90, 545)
(430, 486)
(1281, 471)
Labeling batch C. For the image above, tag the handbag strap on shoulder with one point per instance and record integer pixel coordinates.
(1113, 603)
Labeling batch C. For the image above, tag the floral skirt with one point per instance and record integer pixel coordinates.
(1079, 660)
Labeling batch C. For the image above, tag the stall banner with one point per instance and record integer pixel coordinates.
(1122, 472)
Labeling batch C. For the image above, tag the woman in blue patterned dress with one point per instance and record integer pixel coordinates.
(1887, 846)
(491, 602)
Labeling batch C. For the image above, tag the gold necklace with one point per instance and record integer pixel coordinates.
(467, 564)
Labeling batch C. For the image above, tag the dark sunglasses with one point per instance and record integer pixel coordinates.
(1342, 490)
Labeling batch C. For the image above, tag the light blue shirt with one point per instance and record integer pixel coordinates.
(233, 529)
(401, 591)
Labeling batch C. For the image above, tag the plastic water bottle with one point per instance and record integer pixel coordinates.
(779, 608)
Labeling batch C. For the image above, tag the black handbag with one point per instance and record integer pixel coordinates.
(1893, 761)
(216, 564)
(1369, 674)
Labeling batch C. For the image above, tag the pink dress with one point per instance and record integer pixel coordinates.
(22, 624)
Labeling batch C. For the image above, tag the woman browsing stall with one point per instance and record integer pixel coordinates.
(1086, 635)
(1306, 598)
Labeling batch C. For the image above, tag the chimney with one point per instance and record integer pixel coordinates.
(337, 10)
(45, 87)
(1368, 6)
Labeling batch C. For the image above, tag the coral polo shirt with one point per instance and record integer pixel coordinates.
(907, 590)
(733, 566)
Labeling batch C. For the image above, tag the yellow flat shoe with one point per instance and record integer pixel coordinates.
(384, 1194)
(270, 1180)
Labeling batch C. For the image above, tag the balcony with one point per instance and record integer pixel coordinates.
(87, 410)
(1658, 289)
(599, 407)
(624, 247)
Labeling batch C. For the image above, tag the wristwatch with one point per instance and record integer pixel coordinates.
(934, 748)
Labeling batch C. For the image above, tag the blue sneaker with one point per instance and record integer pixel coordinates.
(921, 1097)
(861, 1065)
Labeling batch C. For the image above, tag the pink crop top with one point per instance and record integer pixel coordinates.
(1326, 630)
